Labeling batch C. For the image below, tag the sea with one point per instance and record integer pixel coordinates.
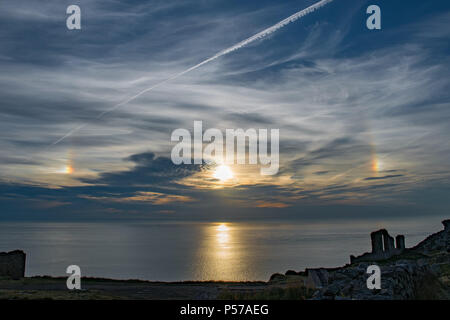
(180, 251)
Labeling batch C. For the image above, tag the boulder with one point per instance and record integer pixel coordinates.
(12, 264)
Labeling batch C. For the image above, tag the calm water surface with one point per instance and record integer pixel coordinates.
(195, 251)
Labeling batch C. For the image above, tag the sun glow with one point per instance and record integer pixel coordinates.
(376, 165)
(223, 173)
(223, 235)
(67, 164)
(69, 169)
(222, 227)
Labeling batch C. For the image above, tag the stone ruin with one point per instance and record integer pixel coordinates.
(12, 264)
(382, 247)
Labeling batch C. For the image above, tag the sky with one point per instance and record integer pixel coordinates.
(363, 114)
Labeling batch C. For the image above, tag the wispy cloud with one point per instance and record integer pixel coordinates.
(384, 177)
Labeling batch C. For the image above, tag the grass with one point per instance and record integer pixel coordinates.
(272, 293)
(53, 295)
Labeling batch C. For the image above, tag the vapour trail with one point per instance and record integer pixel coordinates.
(235, 47)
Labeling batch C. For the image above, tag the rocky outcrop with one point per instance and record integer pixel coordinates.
(421, 272)
(317, 278)
(402, 280)
(436, 242)
(12, 264)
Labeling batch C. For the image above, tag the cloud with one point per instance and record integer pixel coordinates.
(264, 204)
(148, 170)
(156, 198)
(384, 177)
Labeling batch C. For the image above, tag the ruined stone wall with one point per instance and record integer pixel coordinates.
(383, 247)
(400, 242)
(12, 264)
(377, 242)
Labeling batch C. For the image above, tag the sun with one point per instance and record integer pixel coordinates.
(223, 173)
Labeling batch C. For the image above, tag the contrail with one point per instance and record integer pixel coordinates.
(235, 47)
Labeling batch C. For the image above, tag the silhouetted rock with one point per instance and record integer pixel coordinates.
(446, 224)
(317, 277)
(291, 273)
(277, 277)
(436, 242)
(422, 272)
(12, 264)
